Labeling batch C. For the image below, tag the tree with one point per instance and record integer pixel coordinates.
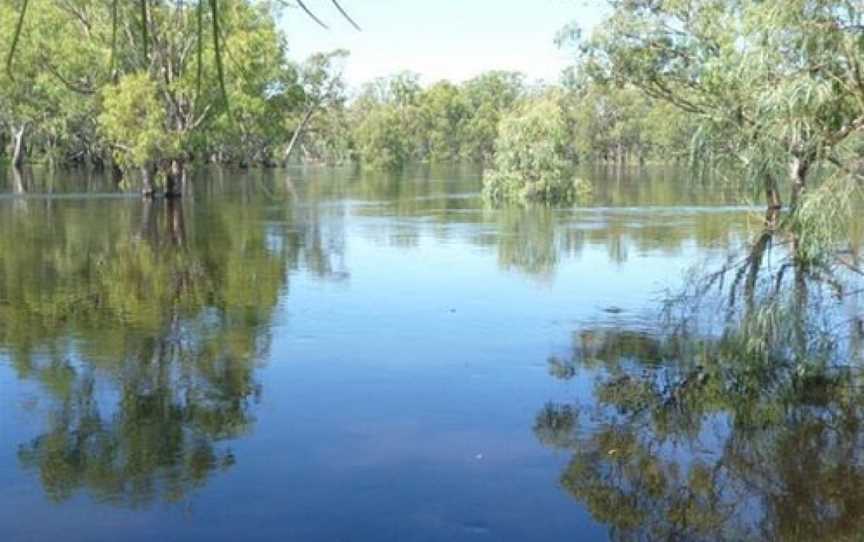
(386, 121)
(441, 114)
(773, 84)
(49, 89)
(262, 87)
(322, 86)
(133, 119)
(531, 157)
(381, 139)
(488, 96)
(69, 52)
(620, 125)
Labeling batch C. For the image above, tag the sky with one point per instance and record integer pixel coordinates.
(441, 39)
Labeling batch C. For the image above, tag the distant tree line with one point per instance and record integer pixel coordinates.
(396, 120)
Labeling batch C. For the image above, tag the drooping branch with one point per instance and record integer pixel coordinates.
(15, 38)
(310, 14)
(347, 17)
(144, 32)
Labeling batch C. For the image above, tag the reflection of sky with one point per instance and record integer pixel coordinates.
(397, 400)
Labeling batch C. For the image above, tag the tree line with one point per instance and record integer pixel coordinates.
(148, 91)
(770, 90)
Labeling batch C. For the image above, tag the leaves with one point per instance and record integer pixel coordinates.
(531, 158)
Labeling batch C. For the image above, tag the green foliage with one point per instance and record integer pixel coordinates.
(531, 158)
(73, 63)
(488, 97)
(446, 123)
(441, 123)
(134, 120)
(441, 111)
(321, 95)
(380, 139)
(771, 87)
(621, 125)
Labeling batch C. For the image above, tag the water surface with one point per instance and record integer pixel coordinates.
(326, 355)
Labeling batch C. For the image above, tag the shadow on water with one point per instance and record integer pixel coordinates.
(738, 415)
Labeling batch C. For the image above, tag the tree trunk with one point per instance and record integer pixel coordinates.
(306, 117)
(772, 200)
(798, 169)
(19, 151)
(173, 180)
(754, 265)
(116, 173)
(148, 171)
(18, 181)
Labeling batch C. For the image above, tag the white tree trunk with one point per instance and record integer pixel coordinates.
(19, 151)
(306, 117)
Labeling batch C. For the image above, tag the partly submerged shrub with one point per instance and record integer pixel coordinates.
(531, 159)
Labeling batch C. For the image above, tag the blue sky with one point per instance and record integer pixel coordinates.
(442, 39)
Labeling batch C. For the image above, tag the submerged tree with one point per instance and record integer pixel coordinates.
(209, 78)
(773, 86)
(531, 159)
(47, 95)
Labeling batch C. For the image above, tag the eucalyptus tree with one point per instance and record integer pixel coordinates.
(489, 96)
(48, 92)
(442, 122)
(321, 85)
(442, 113)
(619, 125)
(179, 64)
(381, 139)
(774, 84)
(384, 119)
(532, 161)
(217, 71)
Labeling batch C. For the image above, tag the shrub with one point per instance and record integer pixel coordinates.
(531, 161)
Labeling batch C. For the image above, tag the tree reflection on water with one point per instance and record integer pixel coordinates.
(144, 330)
(739, 416)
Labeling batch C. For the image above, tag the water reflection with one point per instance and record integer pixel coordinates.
(137, 337)
(729, 420)
(144, 330)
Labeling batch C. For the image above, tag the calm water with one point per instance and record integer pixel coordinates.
(326, 356)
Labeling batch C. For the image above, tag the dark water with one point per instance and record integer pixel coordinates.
(327, 356)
